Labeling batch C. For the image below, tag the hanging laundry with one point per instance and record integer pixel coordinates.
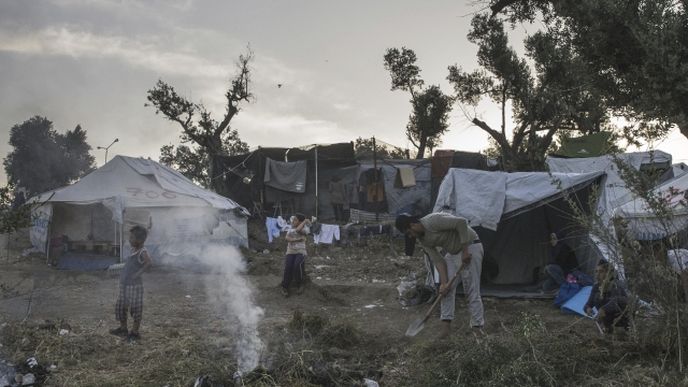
(328, 233)
(273, 229)
(287, 176)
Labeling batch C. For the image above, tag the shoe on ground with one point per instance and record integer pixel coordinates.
(445, 330)
(121, 332)
(133, 337)
(284, 291)
(478, 331)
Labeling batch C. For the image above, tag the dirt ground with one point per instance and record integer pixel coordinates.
(352, 292)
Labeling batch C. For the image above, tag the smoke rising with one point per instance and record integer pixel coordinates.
(199, 240)
(230, 290)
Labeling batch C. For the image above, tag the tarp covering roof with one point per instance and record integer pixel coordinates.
(126, 182)
(484, 197)
(645, 224)
(615, 191)
(592, 145)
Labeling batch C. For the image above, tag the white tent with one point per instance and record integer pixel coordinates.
(644, 222)
(514, 213)
(99, 209)
(614, 192)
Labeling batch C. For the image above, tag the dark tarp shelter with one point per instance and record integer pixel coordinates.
(245, 178)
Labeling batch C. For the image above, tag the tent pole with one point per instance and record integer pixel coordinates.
(316, 181)
(377, 209)
(121, 239)
(47, 245)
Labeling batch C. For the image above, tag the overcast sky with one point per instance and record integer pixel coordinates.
(90, 62)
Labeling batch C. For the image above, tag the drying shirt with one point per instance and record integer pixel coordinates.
(328, 233)
(273, 228)
(287, 176)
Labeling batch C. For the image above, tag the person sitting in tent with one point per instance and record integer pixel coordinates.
(295, 258)
(458, 241)
(130, 297)
(562, 262)
(609, 297)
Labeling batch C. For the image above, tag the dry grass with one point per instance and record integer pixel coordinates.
(89, 356)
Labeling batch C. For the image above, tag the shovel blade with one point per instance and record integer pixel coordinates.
(415, 327)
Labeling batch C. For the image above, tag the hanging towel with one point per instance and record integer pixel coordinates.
(328, 233)
(287, 176)
(272, 228)
(405, 177)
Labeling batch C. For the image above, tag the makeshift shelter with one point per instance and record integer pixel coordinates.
(591, 145)
(87, 223)
(406, 187)
(614, 191)
(281, 181)
(443, 159)
(645, 224)
(514, 213)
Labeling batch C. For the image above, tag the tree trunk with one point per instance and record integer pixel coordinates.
(421, 147)
(217, 182)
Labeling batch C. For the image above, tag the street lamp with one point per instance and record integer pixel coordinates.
(108, 147)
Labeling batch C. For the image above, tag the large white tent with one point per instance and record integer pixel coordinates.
(99, 208)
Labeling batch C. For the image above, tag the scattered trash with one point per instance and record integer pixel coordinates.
(266, 251)
(237, 377)
(116, 266)
(63, 332)
(371, 306)
(412, 293)
(28, 380)
(370, 383)
(188, 296)
(202, 381)
(32, 362)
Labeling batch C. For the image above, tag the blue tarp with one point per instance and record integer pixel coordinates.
(576, 304)
(85, 262)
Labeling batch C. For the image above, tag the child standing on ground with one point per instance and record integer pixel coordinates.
(296, 254)
(130, 297)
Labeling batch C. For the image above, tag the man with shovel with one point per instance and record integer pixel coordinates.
(450, 241)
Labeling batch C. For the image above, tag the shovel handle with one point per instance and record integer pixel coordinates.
(440, 296)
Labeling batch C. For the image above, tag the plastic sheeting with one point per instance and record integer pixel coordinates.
(484, 197)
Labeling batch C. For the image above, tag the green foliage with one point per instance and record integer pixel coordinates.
(429, 119)
(192, 160)
(363, 148)
(555, 97)
(401, 64)
(43, 159)
(13, 215)
(431, 106)
(634, 50)
(211, 138)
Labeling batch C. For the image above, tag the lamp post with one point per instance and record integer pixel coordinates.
(108, 147)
